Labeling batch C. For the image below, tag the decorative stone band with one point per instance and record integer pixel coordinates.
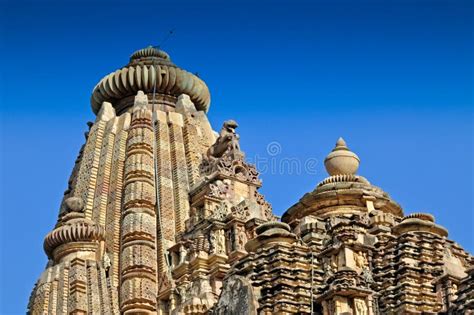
(343, 178)
(78, 230)
(167, 79)
(421, 216)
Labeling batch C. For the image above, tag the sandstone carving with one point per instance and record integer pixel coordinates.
(237, 299)
(161, 216)
(227, 142)
(150, 68)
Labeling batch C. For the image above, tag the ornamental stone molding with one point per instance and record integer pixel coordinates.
(150, 70)
(73, 228)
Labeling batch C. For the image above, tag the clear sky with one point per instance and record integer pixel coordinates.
(394, 78)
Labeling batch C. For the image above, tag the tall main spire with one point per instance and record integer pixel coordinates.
(127, 199)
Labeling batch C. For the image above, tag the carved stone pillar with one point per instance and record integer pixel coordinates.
(138, 250)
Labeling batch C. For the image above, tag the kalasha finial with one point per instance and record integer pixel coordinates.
(73, 208)
(74, 204)
(341, 160)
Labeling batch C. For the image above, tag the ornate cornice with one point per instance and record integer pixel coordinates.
(343, 178)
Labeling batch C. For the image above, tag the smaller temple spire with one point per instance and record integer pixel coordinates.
(341, 160)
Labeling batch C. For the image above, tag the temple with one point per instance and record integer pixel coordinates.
(163, 215)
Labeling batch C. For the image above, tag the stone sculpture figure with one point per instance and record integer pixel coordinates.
(226, 143)
(213, 241)
(241, 239)
(454, 291)
(182, 254)
(230, 241)
(182, 292)
(220, 242)
(217, 240)
(328, 269)
(106, 262)
(334, 263)
(360, 259)
(367, 275)
(360, 307)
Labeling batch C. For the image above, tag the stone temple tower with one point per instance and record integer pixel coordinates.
(163, 215)
(153, 190)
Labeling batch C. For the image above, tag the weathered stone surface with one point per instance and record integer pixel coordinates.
(237, 298)
(164, 216)
(149, 70)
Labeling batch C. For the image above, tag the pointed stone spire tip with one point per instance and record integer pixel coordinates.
(341, 142)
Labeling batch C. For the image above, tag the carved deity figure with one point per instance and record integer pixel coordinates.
(455, 287)
(182, 254)
(341, 305)
(241, 238)
(328, 271)
(106, 263)
(220, 242)
(217, 240)
(230, 241)
(333, 263)
(454, 291)
(213, 241)
(360, 259)
(367, 275)
(182, 292)
(226, 143)
(360, 307)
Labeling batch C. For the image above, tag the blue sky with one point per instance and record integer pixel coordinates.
(394, 78)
